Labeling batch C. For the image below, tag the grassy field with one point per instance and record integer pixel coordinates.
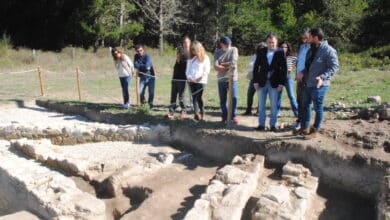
(99, 82)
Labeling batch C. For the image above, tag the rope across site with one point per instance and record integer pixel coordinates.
(78, 72)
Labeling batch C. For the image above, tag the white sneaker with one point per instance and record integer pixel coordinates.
(126, 106)
(296, 125)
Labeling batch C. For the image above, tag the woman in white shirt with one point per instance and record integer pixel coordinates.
(197, 71)
(125, 72)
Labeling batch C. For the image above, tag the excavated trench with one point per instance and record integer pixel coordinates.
(350, 184)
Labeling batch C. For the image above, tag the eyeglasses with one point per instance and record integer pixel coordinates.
(139, 51)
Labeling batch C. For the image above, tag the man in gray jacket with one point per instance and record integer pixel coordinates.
(321, 64)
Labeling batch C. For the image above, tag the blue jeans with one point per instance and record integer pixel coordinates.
(223, 88)
(143, 83)
(317, 96)
(273, 97)
(290, 92)
(125, 81)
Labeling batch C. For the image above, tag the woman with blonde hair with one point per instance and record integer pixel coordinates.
(125, 70)
(197, 71)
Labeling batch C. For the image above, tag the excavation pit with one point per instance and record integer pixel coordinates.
(351, 182)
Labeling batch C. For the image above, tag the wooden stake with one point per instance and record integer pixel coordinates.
(230, 101)
(78, 82)
(137, 89)
(41, 81)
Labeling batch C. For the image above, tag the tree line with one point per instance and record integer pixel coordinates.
(351, 25)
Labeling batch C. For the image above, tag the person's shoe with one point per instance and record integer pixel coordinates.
(170, 116)
(126, 106)
(301, 131)
(296, 125)
(196, 116)
(183, 115)
(235, 120)
(201, 116)
(273, 129)
(260, 128)
(247, 113)
(313, 134)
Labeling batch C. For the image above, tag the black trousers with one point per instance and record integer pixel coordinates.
(249, 96)
(300, 86)
(197, 93)
(177, 89)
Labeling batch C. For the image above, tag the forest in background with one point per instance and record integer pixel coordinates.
(350, 25)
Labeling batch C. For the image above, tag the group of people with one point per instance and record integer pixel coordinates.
(272, 67)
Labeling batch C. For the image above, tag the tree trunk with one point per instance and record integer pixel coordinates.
(161, 30)
(121, 22)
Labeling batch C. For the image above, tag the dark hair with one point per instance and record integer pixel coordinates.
(138, 46)
(290, 51)
(270, 36)
(317, 32)
(114, 50)
(185, 36)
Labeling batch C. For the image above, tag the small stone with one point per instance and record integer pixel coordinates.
(386, 146)
(230, 175)
(237, 160)
(374, 99)
(302, 192)
(165, 158)
(279, 194)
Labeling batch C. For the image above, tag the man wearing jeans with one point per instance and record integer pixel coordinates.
(143, 63)
(226, 65)
(269, 76)
(321, 64)
(305, 46)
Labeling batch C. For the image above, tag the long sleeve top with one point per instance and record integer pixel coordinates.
(196, 69)
(302, 57)
(143, 64)
(124, 66)
(322, 62)
(231, 55)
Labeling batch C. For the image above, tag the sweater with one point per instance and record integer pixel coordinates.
(196, 69)
(231, 55)
(124, 66)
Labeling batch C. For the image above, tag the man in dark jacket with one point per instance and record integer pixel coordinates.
(320, 66)
(143, 63)
(269, 76)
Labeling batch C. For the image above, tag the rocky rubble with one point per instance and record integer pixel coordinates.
(381, 112)
(84, 134)
(289, 200)
(26, 185)
(229, 191)
(111, 166)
